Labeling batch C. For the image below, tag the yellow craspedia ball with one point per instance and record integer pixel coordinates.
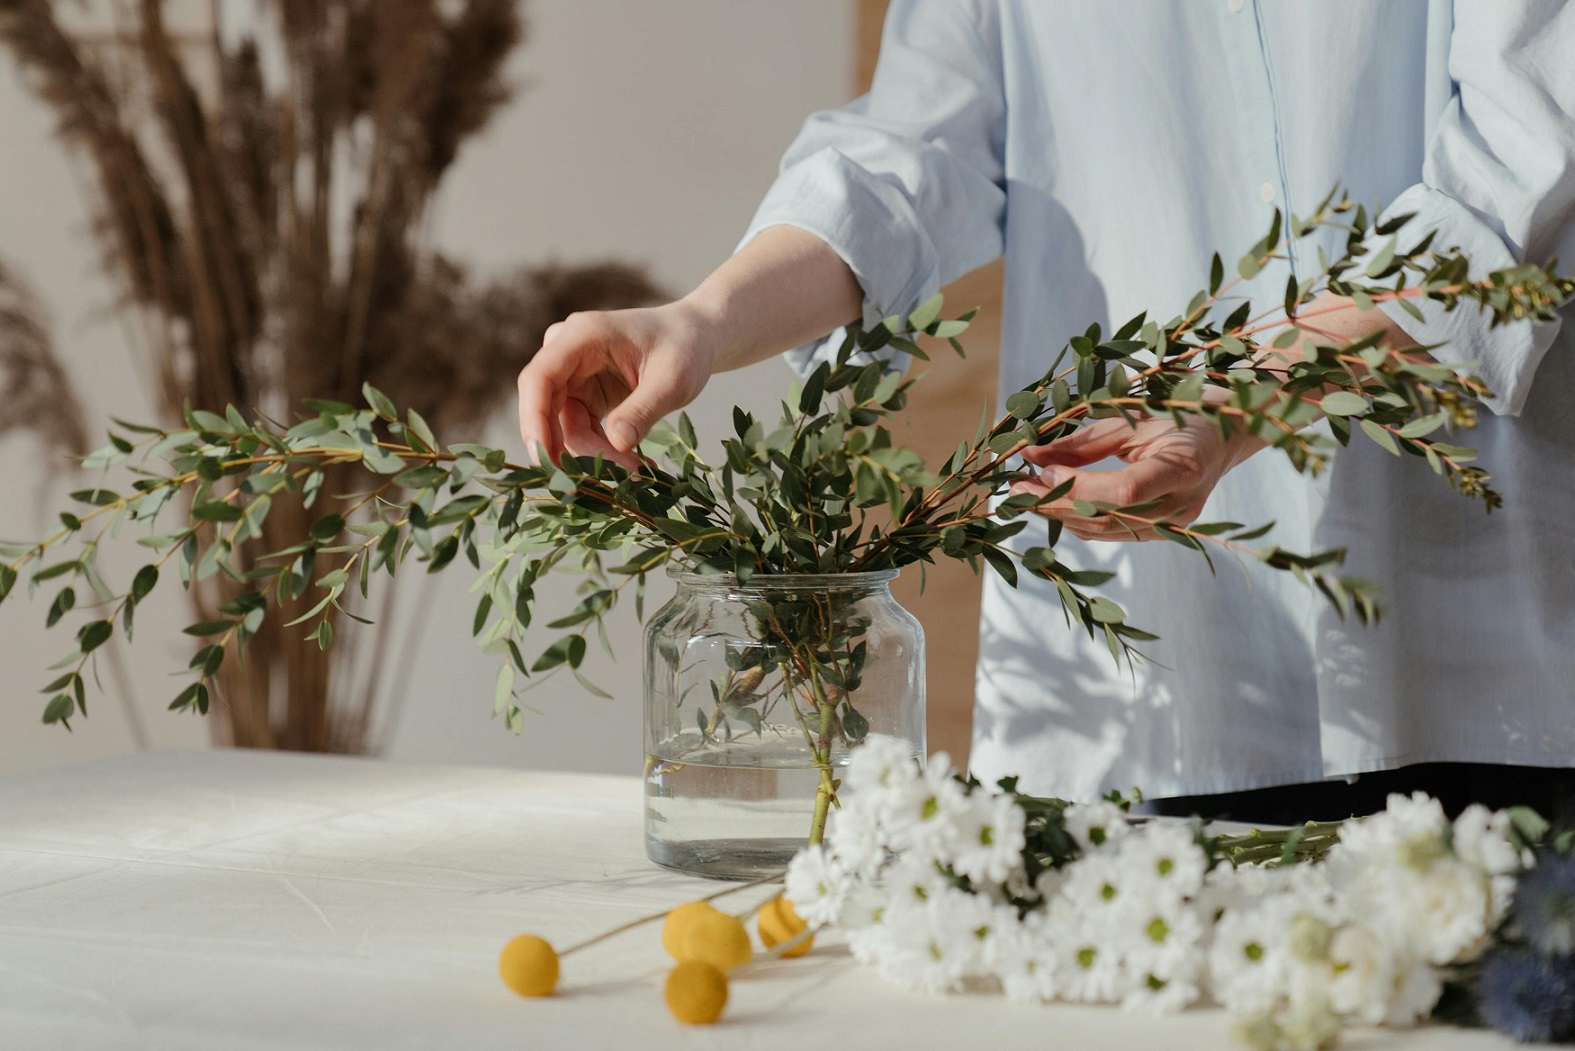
(529, 966)
(698, 932)
(696, 992)
(680, 923)
(778, 923)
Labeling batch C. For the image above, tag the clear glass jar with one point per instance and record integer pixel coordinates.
(754, 696)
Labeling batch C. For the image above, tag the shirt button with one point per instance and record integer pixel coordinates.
(1235, 5)
(1266, 192)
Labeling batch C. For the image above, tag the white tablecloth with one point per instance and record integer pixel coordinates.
(242, 900)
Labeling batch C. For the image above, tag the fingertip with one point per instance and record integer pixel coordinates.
(1051, 476)
(622, 435)
(1038, 455)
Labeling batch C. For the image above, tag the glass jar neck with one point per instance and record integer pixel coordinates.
(843, 586)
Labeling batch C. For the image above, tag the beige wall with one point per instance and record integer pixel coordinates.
(646, 129)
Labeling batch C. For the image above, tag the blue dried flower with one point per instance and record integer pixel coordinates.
(1544, 908)
(1526, 995)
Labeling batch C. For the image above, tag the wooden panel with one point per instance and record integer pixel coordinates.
(942, 411)
(872, 13)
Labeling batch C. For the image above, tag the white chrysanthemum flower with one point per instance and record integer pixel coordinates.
(922, 814)
(1093, 825)
(864, 906)
(1423, 900)
(1022, 956)
(931, 947)
(880, 764)
(1165, 857)
(864, 921)
(987, 846)
(1248, 881)
(1306, 891)
(1415, 814)
(1397, 874)
(1417, 987)
(1412, 831)
(1164, 940)
(912, 880)
(1309, 1024)
(853, 833)
(1154, 995)
(1378, 983)
(878, 774)
(1228, 886)
(1482, 837)
(816, 884)
(1096, 886)
(1249, 959)
(1448, 911)
(1087, 969)
(1164, 959)
(1364, 974)
(1271, 943)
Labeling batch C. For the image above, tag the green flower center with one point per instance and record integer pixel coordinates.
(1419, 852)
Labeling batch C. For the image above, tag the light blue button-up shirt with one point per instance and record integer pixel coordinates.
(1108, 148)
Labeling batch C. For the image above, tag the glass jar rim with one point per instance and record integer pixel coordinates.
(783, 581)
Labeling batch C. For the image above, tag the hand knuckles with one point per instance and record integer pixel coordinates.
(583, 326)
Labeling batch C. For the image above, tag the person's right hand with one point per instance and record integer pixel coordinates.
(602, 379)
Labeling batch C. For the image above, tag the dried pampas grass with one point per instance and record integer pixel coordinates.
(222, 164)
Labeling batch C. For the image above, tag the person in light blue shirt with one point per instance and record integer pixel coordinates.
(1107, 149)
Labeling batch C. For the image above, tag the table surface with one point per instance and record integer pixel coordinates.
(251, 900)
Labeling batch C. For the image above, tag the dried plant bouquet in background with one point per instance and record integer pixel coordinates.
(260, 194)
(35, 393)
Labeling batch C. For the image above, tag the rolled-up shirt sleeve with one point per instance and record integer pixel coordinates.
(1499, 178)
(906, 184)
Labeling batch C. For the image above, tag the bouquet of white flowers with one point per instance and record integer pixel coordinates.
(940, 882)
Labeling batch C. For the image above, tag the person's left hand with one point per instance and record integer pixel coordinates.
(1177, 466)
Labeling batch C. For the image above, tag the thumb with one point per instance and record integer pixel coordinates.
(1087, 445)
(632, 419)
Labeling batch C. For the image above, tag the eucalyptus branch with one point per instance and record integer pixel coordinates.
(821, 490)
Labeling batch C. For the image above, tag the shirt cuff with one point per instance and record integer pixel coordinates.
(870, 224)
(1505, 357)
